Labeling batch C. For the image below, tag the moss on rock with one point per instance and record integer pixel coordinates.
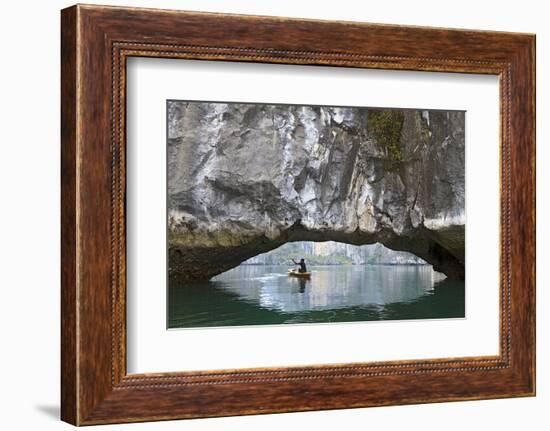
(385, 126)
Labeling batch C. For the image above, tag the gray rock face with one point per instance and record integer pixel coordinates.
(245, 178)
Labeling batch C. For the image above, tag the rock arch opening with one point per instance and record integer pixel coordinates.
(333, 253)
(217, 255)
(243, 179)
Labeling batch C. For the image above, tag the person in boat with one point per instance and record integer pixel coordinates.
(301, 264)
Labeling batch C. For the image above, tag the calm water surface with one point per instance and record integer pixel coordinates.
(260, 295)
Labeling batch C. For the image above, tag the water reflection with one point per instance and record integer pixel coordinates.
(255, 295)
(329, 287)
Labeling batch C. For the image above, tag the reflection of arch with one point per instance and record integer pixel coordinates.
(443, 249)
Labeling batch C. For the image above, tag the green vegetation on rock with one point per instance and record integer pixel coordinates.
(385, 126)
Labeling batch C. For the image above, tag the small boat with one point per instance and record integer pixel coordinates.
(296, 273)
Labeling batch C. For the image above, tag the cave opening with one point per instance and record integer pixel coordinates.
(334, 253)
(190, 262)
(317, 253)
(244, 179)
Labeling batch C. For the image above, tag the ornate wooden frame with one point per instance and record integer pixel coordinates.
(95, 43)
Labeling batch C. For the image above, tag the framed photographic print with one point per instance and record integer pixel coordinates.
(259, 216)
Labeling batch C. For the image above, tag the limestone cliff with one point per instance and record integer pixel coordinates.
(246, 178)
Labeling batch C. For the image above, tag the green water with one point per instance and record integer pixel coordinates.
(266, 295)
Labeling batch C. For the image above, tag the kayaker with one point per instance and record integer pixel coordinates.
(301, 264)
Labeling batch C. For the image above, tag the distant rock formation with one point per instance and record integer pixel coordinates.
(335, 253)
(244, 179)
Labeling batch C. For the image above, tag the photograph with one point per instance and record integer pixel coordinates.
(308, 214)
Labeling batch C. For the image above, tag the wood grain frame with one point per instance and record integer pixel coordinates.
(95, 43)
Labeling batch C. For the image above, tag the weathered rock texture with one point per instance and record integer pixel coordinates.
(246, 178)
